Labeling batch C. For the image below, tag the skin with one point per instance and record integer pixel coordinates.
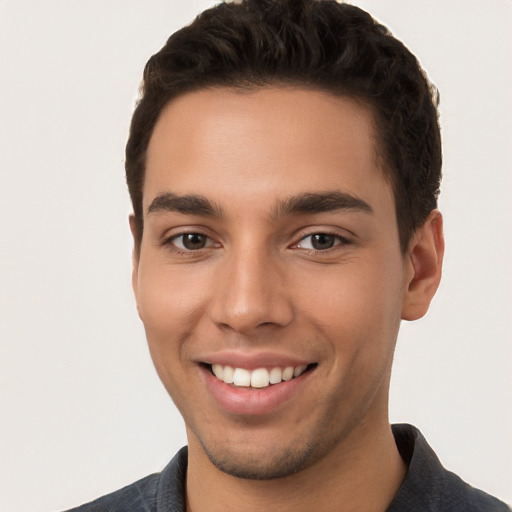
(259, 286)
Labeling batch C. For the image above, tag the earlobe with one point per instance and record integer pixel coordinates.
(424, 262)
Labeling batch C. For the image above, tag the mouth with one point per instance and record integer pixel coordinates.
(255, 385)
(258, 378)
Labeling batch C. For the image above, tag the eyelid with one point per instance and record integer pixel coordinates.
(339, 240)
(345, 236)
(168, 239)
(208, 242)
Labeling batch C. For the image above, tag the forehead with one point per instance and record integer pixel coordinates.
(263, 142)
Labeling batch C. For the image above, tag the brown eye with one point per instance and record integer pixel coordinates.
(322, 241)
(190, 241)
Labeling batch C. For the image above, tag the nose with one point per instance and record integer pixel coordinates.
(251, 293)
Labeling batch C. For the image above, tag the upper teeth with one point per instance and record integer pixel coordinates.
(259, 378)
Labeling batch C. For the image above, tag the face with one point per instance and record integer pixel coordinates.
(270, 279)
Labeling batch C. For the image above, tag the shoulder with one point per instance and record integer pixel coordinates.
(428, 486)
(137, 497)
(158, 492)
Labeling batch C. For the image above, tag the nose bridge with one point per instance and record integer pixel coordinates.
(251, 290)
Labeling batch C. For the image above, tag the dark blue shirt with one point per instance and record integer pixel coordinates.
(427, 487)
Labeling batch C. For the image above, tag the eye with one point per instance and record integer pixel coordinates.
(190, 241)
(320, 241)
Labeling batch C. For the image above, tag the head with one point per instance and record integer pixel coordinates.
(283, 164)
(316, 44)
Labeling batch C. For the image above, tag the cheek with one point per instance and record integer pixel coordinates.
(169, 304)
(165, 297)
(355, 292)
(356, 307)
(168, 308)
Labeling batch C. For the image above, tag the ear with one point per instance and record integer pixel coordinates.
(135, 256)
(424, 261)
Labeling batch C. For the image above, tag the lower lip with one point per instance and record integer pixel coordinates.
(252, 401)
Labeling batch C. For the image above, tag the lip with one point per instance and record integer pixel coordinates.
(252, 401)
(252, 361)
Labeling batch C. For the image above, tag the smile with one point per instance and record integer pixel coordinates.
(255, 384)
(258, 378)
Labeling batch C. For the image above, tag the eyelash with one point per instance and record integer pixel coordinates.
(170, 243)
(337, 242)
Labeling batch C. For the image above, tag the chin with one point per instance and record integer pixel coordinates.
(265, 464)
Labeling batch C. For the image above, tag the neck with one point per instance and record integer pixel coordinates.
(364, 472)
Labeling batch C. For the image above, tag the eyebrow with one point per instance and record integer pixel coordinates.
(320, 202)
(190, 204)
(308, 202)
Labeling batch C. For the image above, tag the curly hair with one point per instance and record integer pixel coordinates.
(320, 44)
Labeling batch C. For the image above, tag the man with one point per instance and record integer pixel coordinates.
(284, 164)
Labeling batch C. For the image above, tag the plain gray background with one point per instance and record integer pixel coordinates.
(82, 410)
